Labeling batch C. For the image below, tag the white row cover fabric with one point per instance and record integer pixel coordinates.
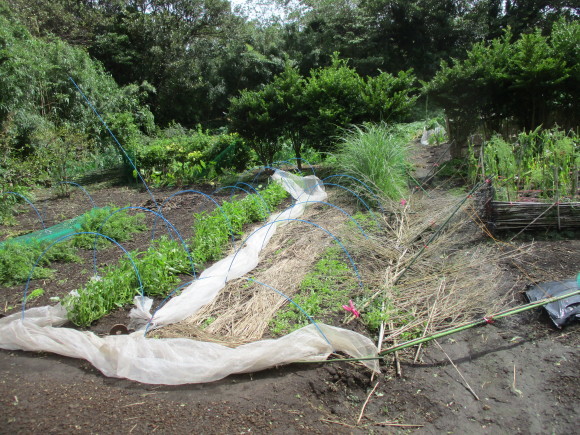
(176, 361)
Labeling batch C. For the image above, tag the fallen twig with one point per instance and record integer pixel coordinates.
(394, 424)
(456, 368)
(366, 402)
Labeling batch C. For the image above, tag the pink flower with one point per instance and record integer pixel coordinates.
(351, 309)
(403, 202)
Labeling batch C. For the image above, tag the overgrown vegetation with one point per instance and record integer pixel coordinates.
(538, 164)
(523, 82)
(190, 156)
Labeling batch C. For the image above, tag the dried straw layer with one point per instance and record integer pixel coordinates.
(457, 277)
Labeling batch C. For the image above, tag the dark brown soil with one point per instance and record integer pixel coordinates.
(523, 370)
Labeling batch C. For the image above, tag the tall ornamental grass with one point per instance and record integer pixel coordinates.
(377, 154)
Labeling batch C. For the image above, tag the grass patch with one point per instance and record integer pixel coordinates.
(18, 258)
(120, 226)
(377, 154)
(323, 291)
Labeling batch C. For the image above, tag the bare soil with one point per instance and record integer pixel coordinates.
(523, 372)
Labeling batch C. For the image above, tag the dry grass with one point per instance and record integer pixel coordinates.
(456, 278)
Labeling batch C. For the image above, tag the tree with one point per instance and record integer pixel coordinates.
(526, 82)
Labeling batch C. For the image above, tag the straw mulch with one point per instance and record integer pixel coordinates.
(457, 277)
(243, 309)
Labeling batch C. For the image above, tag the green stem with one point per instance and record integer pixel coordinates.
(457, 329)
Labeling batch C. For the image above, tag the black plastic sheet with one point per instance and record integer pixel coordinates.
(563, 311)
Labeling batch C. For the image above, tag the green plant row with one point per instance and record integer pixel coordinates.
(212, 230)
(17, 257)
(542, 163)
(159, 268)
(162, 263)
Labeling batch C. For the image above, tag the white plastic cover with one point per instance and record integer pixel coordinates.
(175, 361)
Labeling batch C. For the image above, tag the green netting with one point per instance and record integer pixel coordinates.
(50, 234)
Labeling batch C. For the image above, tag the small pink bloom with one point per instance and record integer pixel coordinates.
(403, 202)
(351, 309)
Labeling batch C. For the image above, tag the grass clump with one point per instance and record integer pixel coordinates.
(322, 294)
(18, 258)
(377, 154)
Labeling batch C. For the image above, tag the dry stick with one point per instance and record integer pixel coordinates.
(557, 186)
(396, 354)
(462, 377)
(388, 423)
(366, 402)
(337, 422)
(431, 314)
(516, 391)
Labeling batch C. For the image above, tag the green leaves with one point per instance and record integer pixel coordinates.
(212, 231)
(531, 80)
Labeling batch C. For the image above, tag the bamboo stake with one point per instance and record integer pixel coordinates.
(454, 330)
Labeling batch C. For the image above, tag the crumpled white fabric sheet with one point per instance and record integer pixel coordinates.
(175, 361)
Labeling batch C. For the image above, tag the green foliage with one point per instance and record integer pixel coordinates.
(9, 201)
(188, 157)
(314, 110)
(540, 161)
(159, 267)
(17, 260)
(212, 230)
(120, 227)
(323, 291)
(377, 154)
(531, 80)
(45, 122)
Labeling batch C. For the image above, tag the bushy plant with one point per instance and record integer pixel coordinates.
(377, 154)
(18, 258)
(541, 161)
(530, 81)
(189, 157)
(120, 226)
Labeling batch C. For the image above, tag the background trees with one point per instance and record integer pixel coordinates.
(183, 61)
